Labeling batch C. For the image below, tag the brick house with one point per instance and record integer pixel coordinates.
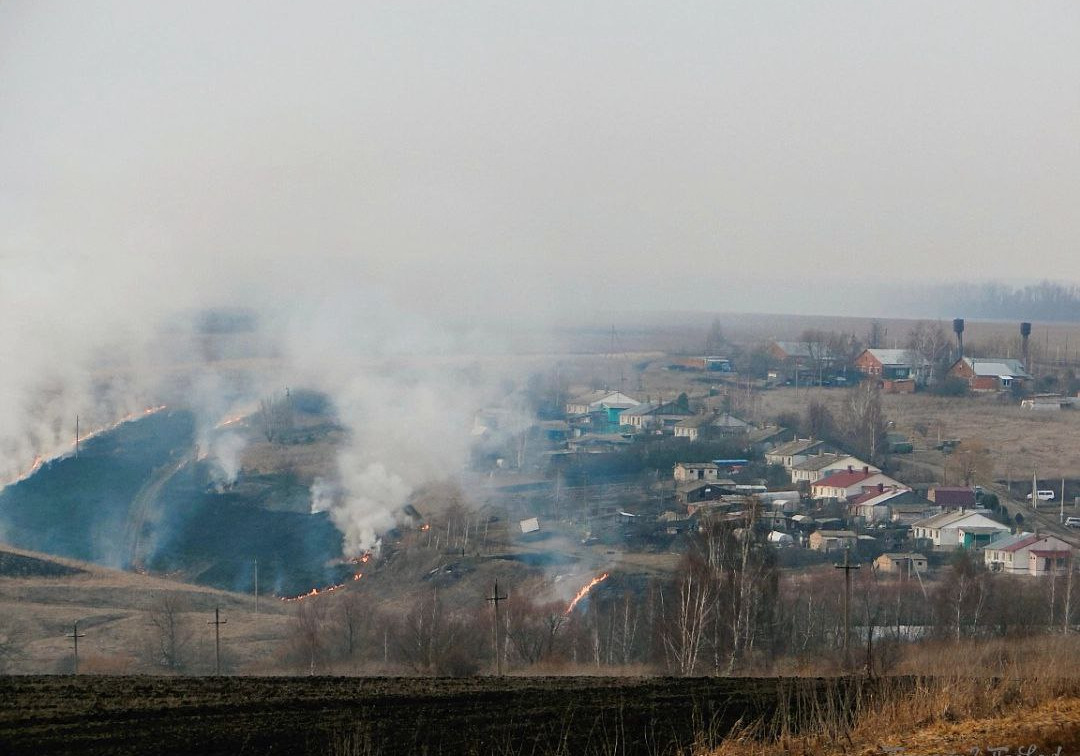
(898, 370)
(990, 373)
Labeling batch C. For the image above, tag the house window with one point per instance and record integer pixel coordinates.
(1006, 382)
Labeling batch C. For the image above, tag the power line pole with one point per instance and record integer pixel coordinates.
(76, 437)
(256, 586)
(847, 567)
(217, 623)
(495, 598)
(75, 635)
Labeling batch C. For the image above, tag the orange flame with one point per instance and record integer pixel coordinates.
(585, 592)
(357, 576)
(313, 592)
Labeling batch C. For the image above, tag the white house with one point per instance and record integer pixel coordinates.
(695, 471)
(817, 466)
(951, 529)
(1028, 554)
(846, 485)
(725, 425)
(873, 506)
(794, 452)
(594, 401)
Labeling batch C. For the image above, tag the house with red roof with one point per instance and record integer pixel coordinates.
(1028, 554)
(849, 484)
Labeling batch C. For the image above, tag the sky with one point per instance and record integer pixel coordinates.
(471, 160)
(374, 178)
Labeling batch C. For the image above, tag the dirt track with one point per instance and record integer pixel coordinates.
(140, 715)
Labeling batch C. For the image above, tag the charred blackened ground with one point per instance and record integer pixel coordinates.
(139, 497)
(536, 715)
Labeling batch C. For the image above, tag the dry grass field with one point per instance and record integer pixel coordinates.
(115, 612)
(1019, 440)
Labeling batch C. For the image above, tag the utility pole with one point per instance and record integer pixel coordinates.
(495, 598)
(76, 437)
(1035, 489)
(847, 567)
(217, 623)
(256, 586)
(75, 635)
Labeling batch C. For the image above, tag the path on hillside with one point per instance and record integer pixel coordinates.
(142, 507)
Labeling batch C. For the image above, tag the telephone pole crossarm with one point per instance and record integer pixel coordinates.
(217, 622)
(495, 598)
(75, 635)
(847, 567)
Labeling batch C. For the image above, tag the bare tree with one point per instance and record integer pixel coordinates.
(972, 461)
(354, 616)
(715, 342)
(533, 630)
(864, 421)
(172, 634)
(929, 342)
(308, 632)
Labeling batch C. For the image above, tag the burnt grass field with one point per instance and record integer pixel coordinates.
(262, 715)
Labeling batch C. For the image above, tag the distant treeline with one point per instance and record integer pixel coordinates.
(1045, 301)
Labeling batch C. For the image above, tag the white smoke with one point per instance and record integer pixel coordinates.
(226, 451)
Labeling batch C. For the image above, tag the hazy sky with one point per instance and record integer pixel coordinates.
(509, 157)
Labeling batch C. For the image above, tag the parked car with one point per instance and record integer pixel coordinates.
(1044, 495)
(1072, 522)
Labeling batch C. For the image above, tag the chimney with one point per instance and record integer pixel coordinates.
(1025, 331)
(958, 329)
(850, 469)
(866, 470)
(881, 488)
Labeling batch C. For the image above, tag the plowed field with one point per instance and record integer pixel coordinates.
(573, 715)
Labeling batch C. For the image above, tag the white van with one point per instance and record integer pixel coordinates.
(1072, 522)
(1044, 495)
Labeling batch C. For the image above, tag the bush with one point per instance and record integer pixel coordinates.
(951, 387)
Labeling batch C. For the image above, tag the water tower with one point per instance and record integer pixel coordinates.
(958, 329)
(1025, 332)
